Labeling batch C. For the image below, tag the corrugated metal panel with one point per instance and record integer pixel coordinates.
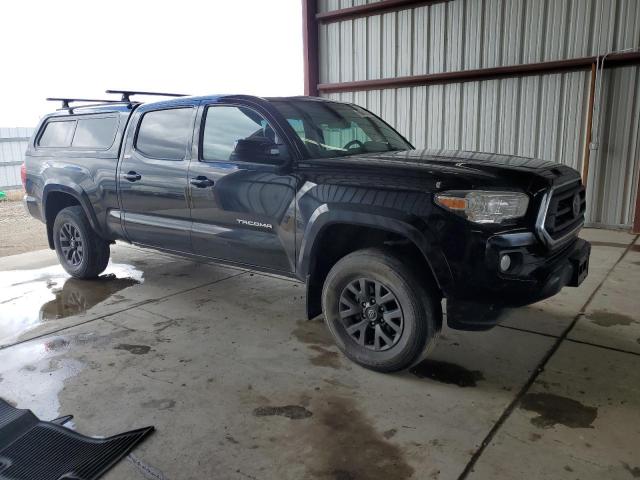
(615, 165)
(460, 34)
(541, 116)
(13, 144)
(328, 5)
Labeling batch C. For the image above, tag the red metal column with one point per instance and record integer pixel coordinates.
(310, 47)
(636, 220)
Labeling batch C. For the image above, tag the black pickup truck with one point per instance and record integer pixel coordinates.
(321, 191)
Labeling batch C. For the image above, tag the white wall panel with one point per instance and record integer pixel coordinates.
(13, 144)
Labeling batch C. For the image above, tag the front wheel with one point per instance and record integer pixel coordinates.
(378, 312)
(81, 252)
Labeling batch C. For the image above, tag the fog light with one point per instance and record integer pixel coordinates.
(505, 262)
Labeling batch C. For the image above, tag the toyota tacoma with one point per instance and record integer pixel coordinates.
(321, 191)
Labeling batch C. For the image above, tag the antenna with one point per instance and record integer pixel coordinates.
(126, 94)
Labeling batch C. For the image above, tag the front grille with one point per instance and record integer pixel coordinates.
(565, 211)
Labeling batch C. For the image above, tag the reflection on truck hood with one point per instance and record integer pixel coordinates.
(460, 158)
(459, 166)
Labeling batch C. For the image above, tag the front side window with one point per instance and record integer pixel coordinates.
(234, 133)
(57, 134)
(331, 129)
(96, 133)
(164, 134)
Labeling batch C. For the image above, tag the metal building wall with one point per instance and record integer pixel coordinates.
(615, 165)
(540, 115)
(13, 144)
(468, 34)
(537, 116)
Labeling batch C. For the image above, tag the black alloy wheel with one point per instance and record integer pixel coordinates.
(71, 244)
(371, 314)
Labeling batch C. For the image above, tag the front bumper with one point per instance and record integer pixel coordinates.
(536, 274)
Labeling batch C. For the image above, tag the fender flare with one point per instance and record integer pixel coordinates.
(77, 193)
(410, 227)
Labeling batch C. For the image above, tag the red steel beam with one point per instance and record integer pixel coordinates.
(636, 220)
(310, 47)
(376, 8)
(613, 60)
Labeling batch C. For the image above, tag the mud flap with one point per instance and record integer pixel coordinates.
(31, 449)
(472, 316)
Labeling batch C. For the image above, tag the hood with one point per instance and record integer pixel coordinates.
(462, 167)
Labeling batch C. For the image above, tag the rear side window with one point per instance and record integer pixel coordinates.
(97, 133)
(57, 134)
(164, 134)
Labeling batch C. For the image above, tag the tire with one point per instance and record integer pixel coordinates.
(413, 333)
(91, 252)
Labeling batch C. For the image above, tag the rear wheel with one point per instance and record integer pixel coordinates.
(81, 252)
(379, 313)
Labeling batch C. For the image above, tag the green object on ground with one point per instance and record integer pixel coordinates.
(2, 195)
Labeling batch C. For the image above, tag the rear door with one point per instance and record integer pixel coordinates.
(152, 176)
(242, 188)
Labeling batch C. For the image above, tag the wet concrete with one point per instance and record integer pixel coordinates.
(348, 446)
(447, 372)
(634, 471)
(322, 351)
(610, 319)
(555, 409)
(134, 349)
(29, 298)
(219, 361)
(294, 412)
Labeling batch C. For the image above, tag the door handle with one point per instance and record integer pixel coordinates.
(132, 176)
(201, 182)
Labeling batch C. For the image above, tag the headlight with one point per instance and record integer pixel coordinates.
(484, 207)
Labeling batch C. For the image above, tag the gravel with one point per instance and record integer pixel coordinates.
(19, 231)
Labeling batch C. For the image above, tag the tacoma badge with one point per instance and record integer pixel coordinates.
(251, 223)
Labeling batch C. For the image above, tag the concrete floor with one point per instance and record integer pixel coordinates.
(240, 386)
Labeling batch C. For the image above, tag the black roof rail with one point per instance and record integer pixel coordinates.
(126, 94)
(67, 101)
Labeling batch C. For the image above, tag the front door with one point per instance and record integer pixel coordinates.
(243, 208)
(152, 178)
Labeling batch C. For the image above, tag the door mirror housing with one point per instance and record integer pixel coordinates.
(260, 150)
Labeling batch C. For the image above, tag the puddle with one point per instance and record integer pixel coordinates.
(555, 409)
(31, 297)
(609, 319)
(43, 370)
(446, 372)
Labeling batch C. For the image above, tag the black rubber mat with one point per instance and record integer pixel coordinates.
(31, 449)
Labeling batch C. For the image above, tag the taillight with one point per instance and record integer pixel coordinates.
(23, 175)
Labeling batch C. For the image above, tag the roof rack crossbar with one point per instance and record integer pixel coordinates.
(67, 101)
(126, 94)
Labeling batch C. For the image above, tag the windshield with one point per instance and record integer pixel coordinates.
(337, 129)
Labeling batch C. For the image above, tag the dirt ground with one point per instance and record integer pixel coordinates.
(19, 231)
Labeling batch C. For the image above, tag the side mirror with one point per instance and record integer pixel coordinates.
(260, 150)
